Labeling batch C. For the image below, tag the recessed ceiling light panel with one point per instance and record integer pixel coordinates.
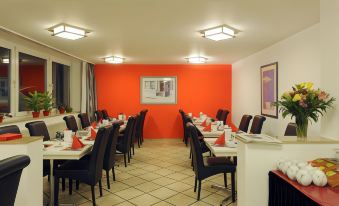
(68, 32)
(218, 33)
(196, 60)
(114, 60)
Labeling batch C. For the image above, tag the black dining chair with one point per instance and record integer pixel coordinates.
(182, 115)
(10, 129)
(71, 123)
(85, 171)
(224, 116)
(134, 132)
(84, 120)
(219, 114)
(209, 166)
(245, 122)
(38, 128)
(257, 124)
(291, 129)
(105, 114)
(124, 140)
(143, 117)
(98, 115)
(10, 173)
(110, 152)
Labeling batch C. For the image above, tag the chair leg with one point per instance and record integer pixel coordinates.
(138, 142)
(199, 189)
(133, 148)
(63, 184)
(70, 184)
(107, 177)
(128, 156)
(195, 184)
(56, 190)
(77, 183)
(100, 188)
(125, 159)
(233, 186)
(113, 172)
(93, 195)
(225, 179)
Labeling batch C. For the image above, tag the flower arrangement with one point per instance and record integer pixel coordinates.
(304, 103)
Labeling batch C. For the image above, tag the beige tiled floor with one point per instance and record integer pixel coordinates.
(159, 174)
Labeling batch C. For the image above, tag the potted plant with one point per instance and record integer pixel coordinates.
(61, 109)
(305, 104)
(47, 103)
(34, 102)
(69, 109)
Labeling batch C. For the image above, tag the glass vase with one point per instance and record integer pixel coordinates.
(302, 125)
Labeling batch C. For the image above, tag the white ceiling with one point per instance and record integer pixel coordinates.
(160, 31)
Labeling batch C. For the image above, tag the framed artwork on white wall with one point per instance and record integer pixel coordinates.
(269, 90)
(158, 90)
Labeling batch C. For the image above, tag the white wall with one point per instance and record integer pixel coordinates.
(329, 35)
(18, 43)
(299, 60)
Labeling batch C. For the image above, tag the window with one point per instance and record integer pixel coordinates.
(61, 84)
(5, 63)
(32, 77)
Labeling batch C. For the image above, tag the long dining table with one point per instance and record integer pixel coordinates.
(60, 150)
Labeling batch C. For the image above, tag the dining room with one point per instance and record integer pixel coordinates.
(169, 103)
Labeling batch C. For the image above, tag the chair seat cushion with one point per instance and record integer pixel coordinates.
(214, 161)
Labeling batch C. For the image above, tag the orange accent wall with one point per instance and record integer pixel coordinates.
(201, 88)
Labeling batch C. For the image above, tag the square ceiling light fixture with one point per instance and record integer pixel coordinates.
(68, 32)
(114, 60)
(196, 60)
(219, 33)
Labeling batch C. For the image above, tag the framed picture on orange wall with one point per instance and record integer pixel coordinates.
(269, 90)
(158, 90)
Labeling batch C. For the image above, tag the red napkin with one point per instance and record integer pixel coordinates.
(77, 144)
(10, 136)
(94, 124)
(220, 140)
(93, 134)
(204, 123)
(208, 128)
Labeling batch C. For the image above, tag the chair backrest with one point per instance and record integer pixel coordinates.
(183, 118)
(84, 119)
(218, 115)
(257, 124)
(10, 173)
(224, 116)
(98, 115)
(198, 161)
(38, 128)
(245, 122)
(98, 152)
(126, 141)
(143, 117)
(291, 129)
(134, 131)
(105, 114)
(71, 123)
(111, 147)
(10, 129)
(138, 125)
